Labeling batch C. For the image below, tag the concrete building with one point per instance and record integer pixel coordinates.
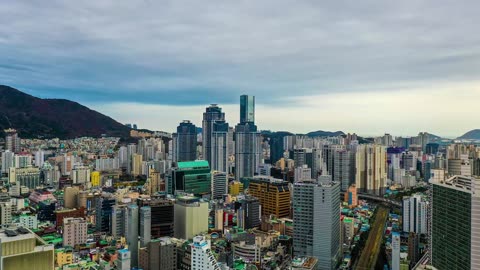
(12, 141)
(22, 249)
(202, 256)
(131, 232)
(212, 115)
(124, 260)
(29, 176)
(414, 214)
(249, 213)
(219, 184)
(395, 251)
(81, 175)
(137, 160)
(162, 216)
(317, 221)
(5, 213)
(145, 225)
(160, 254)
(343, 172)
(74, 231)
(191, 217)
(455, 227)
(370, 164)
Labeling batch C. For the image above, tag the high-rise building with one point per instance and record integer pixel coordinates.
(185, 142)
(162, 216)
(395, 251)
(81, 174)
(212, 114)
(160, 254)
(273, 194)
(117, 221)
(124, 260)
(29, 176)
(351, 197)
(191, 217)
(191, 177)
(317, 221)
(5, 213)
(220, 141)
(455, 226)
(8, 158)
(74, 231)
(248, 150)
(370, 166)
(137, 160)
(131, 232)
(202, 256)
(103, 211)
(414, 214)
(95, 179)
(219, 184)
(131, 149)
(247, 109)
(123, 156)
(343, 160)
(39, 158)
(22, 249)
(249, 213)
(145, 225)
(12, 141)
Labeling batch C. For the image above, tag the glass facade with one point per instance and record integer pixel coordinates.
(451, 228)
(193, 177)
(247, 109)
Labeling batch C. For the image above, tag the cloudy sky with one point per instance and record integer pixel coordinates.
(358, 66)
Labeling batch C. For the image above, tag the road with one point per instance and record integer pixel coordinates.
(369, 255)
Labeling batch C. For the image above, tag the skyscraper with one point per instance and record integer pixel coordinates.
(395, 251)
(185, 142)
(370, 168)
(247, 109)
(145, 225)
(212, 115)
(220, 143)
(317, 221)
(248, 141)
(455, 228)
(131, 234)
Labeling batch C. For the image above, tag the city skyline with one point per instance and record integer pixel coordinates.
(328, 66)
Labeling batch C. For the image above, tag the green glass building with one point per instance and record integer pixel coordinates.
(455, 223)
(192, 177)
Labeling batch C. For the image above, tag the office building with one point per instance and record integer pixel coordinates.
(185, 142)
(162, 216)
(103, 211)
(124, 260)
(160, 254)
(131, 232)
(273, 194)
(249, 213)
(202, 256)
(145, 225)
(220, 141)
(117, 221)
(247, 109)
(235, 188)
(455, 228)
(74, 231)
(414, 214)
(191, 177)
(248, 141)
(219, 184)
(20, 248)
(191, 217)
(317, 221)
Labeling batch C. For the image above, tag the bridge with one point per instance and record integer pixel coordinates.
(377, 198)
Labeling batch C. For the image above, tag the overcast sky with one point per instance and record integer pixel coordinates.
(358, 66)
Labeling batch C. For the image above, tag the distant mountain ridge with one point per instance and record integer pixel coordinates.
(471, 135)
(53, 118)
(321, 133)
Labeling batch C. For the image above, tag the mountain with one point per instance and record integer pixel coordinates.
(471, 135)
(34, 117)
(321, 133)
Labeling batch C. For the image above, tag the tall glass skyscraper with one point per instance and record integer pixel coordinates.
(247, 140)
(215, 138)
(247, 109)
(185, 142)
